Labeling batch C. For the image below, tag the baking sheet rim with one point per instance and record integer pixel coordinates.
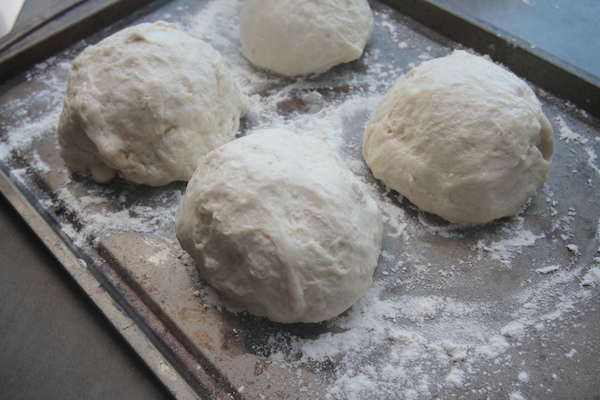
(123, 323)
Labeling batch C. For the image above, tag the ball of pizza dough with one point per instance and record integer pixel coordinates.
(147, 103)
(462, 138)
(300, 37)
(277, 222)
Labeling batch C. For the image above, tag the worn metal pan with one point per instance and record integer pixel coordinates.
(509, 309)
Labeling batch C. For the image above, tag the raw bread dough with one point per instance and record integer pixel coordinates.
(300, 37)
(462, 138)
(277, 222)
(147, 102)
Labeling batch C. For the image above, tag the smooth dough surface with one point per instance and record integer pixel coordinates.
(462, 138)
(147, 103)
(300, 37)
(277, 222)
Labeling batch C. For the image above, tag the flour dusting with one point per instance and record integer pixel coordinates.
(453, 312)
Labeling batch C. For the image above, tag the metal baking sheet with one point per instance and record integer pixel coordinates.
(506, 310)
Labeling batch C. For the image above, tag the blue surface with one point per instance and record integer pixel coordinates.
(568, 29)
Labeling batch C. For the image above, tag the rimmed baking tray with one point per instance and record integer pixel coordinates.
(508, 309)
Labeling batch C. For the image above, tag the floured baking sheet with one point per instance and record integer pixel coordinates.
(506, 310)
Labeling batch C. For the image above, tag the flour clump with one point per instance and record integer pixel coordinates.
(462, 138)
(301, 37)
(147, 103)
(277, 222)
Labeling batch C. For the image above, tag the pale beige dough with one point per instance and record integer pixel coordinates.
(301, 37)
(460, 137)
(147, 103)
(277, 222)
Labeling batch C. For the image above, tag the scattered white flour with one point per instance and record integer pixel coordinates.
(516, 396)
(568, 135)
(592, 277)
(456, 377)
(523, 377)
(565, 133)
(548, 269)
(514, 329)
(505, 249)
(453, 313)
(27, 132)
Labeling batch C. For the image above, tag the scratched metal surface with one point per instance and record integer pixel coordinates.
(136, 260)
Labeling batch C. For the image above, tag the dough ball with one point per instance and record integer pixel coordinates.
(277, 222)
(462, 138)
(147, 103)
(300, 37)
